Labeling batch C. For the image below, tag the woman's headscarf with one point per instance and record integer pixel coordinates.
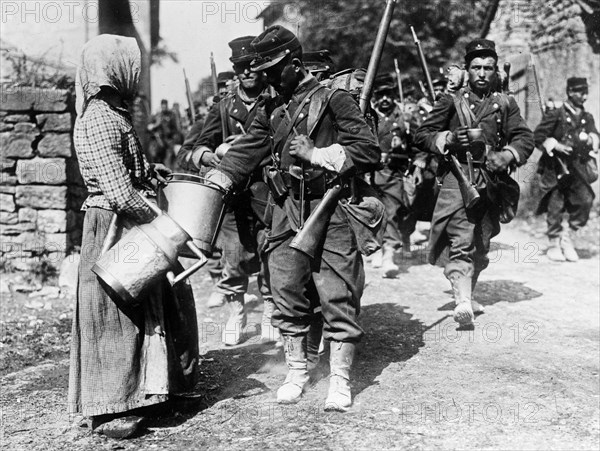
(107, 60)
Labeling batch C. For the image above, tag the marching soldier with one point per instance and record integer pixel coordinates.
(461, 232)
(317, 138)
(568, 167)
(242, 226)
(402, 172)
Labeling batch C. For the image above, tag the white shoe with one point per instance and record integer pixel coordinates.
(568, 250)
(233, 333)
(377, 259)
(216, 299)
(463, 314)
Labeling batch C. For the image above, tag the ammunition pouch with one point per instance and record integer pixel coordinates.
(398, 161)
(274, 179)
(315, 183)
(503, 193)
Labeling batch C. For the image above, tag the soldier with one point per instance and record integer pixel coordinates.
(319, 64)
(568, 167)
(242, 226)
(402, 171)
(460, 236)
(440, 86)
(315, 137)
(165, 134)
(225, 82)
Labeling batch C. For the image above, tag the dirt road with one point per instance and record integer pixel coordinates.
(527, 377)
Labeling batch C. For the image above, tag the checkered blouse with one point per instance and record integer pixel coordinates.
(111, 161)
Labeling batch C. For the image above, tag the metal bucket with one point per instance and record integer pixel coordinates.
(145, 255)
(197, 205)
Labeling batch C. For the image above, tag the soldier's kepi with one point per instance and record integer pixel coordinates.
(488, 126)
(324, 131)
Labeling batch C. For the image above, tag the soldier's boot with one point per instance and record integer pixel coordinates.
(268, 332)
(568, 250)
(554, 251)
(297, 378)
(377, 259)
(314, 340)
(461, 290)
(390, 269)
(476, 306)
(216, 299)
(339, 397)
(234, 328)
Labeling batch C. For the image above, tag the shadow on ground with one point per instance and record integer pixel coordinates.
(392, 337)
(490, 292)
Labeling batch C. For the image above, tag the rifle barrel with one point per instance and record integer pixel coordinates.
(400, 91)
(537, 85)
(188, 93)
(423, 62)
(213, 74)
(384, 26)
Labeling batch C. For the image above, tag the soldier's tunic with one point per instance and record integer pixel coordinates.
(395, 141)
(460, 239)
(573, 193)
(241, 230)
(337, 272)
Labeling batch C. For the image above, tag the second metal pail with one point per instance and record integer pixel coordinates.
(197, 205)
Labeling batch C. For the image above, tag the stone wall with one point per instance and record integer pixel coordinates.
(41, 189)
(559, 34)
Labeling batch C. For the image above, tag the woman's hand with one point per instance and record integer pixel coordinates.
(161, 173)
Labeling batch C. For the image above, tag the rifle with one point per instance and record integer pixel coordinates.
(505, 84)
(423, 64)
(397, 69)
(213, 74)
(384, 26)
(559, 164)
(311, 234)
(190, 100)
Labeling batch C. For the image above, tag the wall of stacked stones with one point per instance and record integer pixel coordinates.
(41, 189)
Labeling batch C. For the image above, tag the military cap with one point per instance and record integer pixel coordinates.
(272, 45)
(241, 51)
(318, 61)
(224, 77)
(384, 82)
(577, 83)
(480, 47)
(441, 82)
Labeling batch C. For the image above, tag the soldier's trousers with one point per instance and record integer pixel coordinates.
(576, 199)
(401, 221)
(460, 239)
(238, 243)
(337, 278)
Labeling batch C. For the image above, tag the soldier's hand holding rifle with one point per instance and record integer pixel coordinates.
(302, 148)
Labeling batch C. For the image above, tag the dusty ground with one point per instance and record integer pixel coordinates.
(525, 378)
